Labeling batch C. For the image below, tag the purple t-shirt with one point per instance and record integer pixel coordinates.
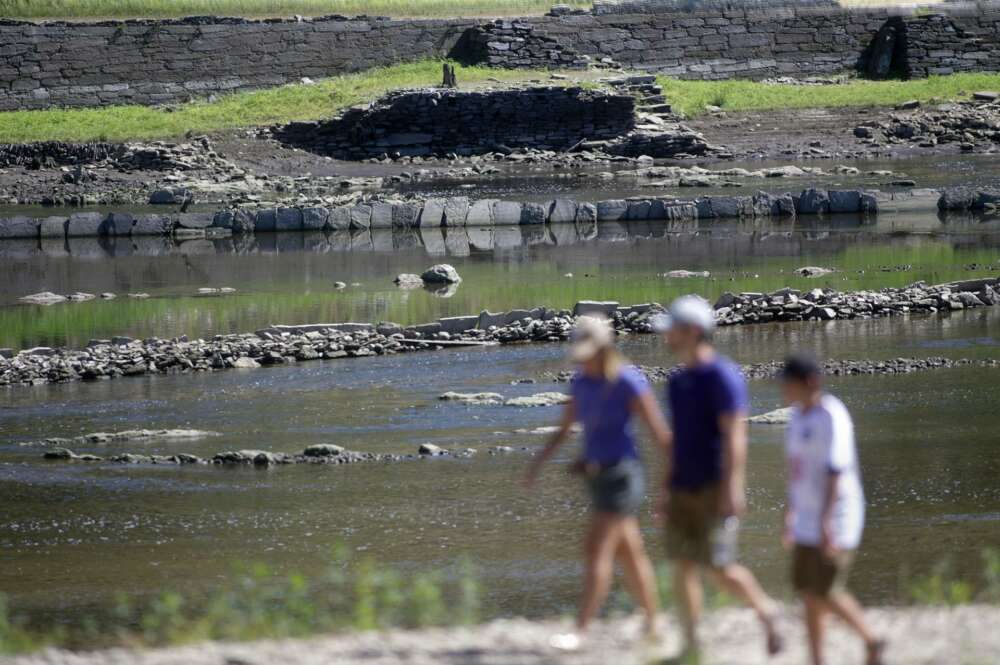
(698, 396)
(605, 411)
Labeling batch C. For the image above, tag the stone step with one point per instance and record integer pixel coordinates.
(642, 79)
(652, 99)
(648, 89)
(658, 109)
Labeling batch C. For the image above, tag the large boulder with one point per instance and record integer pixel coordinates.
(432, 214)
(456, 211)
(612, 211)
(361, 216)
(562, 211)
(339, 219)
(153, 225)
(533, 214)
(442, 273)
(845, 202)
(314, 219)
(19, 227)
(381, 217)
(53, 227)
(813, 202)
(507, 213)
(481, 213)
(84, 224)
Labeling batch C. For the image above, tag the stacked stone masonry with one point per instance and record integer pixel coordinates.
(153, 62)
(441, 212)
(443, 121)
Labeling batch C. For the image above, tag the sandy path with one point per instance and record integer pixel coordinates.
(920, 636)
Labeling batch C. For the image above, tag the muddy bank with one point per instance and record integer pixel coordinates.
(855, 133)
(917, 636)
(244, 167)
(278, 345)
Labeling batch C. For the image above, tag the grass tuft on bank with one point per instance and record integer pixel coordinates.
(692, 97)
(244, 109)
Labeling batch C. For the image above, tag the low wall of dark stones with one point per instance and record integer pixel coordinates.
(278, 345)
(443, 121)
(442, 212)
(155, 62)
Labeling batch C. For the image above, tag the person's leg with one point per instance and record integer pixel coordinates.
(847, 607)
(639, 575)
(687, 586)
(815, 610)
(740, 582)
(600, 545)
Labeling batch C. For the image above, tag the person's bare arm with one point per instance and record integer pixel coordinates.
(650, 413)
(733, 430)
(557, 439)
(828, 545)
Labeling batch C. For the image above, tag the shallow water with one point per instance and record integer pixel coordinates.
(74, 534)
(290, 278)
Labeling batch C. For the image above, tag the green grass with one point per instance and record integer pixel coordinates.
(256, 603)
(326, 97)
(88, 9)
(691, 97)
(245, 109)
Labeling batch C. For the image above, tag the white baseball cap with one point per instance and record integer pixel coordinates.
(589, 337)
(686, 310)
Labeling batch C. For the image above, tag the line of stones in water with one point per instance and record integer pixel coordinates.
(441, 212)
(279, 345)
(325, 453)
(772, 368)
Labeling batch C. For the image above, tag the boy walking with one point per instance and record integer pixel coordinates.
(704, 494)
(826, 504)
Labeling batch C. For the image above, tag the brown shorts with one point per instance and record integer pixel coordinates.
(814, 573)
(693, 530)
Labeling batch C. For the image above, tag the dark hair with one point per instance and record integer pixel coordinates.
(800, 367)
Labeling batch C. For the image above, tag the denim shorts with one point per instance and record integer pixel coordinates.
(618, 488)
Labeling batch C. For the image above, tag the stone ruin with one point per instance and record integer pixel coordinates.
(441, 121)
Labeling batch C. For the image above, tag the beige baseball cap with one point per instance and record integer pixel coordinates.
(686, 310)
(591, 335)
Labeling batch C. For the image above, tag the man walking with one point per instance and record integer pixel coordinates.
(704, 494)
(826, 504)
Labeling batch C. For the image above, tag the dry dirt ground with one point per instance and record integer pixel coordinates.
(917, 636)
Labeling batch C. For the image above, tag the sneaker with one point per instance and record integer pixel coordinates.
(566, 642)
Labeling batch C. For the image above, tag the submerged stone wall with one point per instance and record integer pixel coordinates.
(441, 212)
(443, 121)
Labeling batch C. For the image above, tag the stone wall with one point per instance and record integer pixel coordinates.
(443, 121)
(154, 62)
(964, 40)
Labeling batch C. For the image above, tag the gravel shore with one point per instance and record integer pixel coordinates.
(917, 636)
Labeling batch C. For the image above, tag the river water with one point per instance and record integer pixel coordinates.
(73, 535)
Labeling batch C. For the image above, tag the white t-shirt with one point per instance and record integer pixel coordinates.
(820, 441)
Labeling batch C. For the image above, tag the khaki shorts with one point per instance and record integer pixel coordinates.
(814, 573)
(693, 529)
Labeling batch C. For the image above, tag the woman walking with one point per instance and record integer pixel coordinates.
(606, 394)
